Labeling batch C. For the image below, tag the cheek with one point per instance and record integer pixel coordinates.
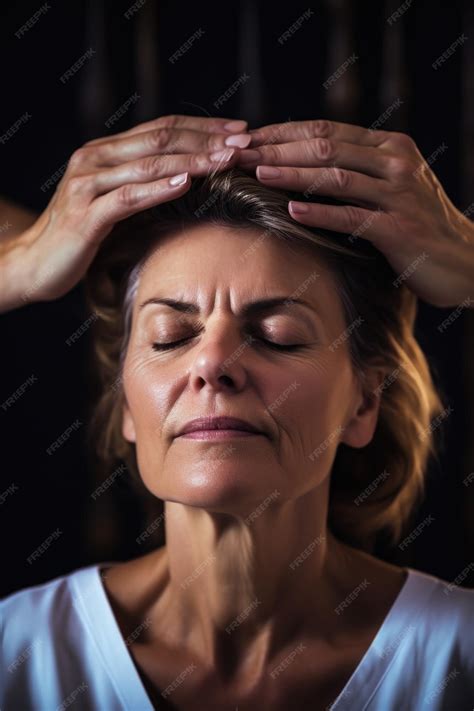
(310, 410)
(146, 396)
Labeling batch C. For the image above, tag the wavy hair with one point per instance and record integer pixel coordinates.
(373, 489)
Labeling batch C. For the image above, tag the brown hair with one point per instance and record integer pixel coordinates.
(391, 468)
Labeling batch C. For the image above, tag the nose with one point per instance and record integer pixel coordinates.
(219, 360)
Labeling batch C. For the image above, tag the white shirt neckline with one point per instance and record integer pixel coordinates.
(103, 628)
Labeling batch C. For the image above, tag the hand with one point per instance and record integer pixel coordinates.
(107, 180)
(394, 199)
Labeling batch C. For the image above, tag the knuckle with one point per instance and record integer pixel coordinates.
(79, 157)
(401, 169)
(402, 140)
(159, 138)
(321, 127)
(150, 166)
(323, 148)
(353, 217)
(342, 178)
(126, 196)
(271, 153)
(168, 121)
(78, 185)
(199, 161)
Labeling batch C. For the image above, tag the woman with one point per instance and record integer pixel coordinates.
(223, 302)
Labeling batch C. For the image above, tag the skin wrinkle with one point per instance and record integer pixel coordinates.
(206, 507)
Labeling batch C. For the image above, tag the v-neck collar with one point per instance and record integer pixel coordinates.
(102, 625)
(369, 673)
(395, 632)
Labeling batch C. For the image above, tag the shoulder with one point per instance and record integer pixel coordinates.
(442, 596)
(35, 616)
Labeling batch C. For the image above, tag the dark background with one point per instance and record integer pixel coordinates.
(286, 81)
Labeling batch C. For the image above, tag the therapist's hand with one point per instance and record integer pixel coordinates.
(394, 199)
(107, 180)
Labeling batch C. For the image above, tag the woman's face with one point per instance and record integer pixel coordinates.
(305, 400)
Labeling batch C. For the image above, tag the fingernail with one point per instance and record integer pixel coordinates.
(298, 207)
(223, 155)
(235, 126)
(250, 156)
(268, 171)
(179, 179)
(241, 140)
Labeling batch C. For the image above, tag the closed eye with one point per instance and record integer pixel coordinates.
(269, 344)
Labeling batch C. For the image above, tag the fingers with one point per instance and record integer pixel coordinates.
(372, 225)
(196, 123)
(320, 128)
(153, 168)
(319, 152)
(332, 181)
(129, 199)
(158, 141)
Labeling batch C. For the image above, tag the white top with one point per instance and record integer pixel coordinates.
(61, 646)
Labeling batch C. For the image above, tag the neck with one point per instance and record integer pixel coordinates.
(238, 583)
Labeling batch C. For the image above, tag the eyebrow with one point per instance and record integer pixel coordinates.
(250, 309)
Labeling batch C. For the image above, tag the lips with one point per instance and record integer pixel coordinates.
(218, 423)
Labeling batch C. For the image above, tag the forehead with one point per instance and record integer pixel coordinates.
(206, 262)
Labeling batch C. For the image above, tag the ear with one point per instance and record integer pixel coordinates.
(128, 425)
(360, 428)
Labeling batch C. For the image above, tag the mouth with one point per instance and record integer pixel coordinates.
(219, 428)
(218, 434)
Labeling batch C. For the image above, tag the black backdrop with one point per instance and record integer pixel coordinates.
(44, 495)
